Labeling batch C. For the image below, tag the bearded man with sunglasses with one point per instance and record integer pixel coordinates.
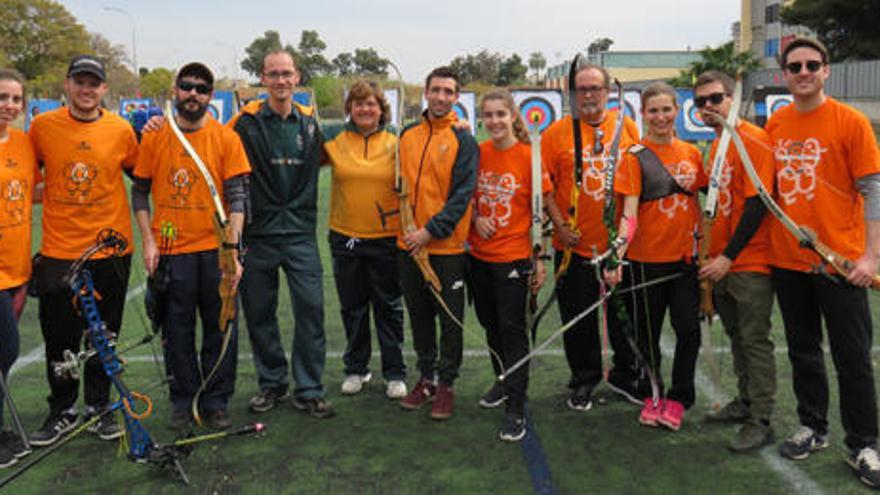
(739, 267)
(180, 231)
(827, 180)
(83, 151)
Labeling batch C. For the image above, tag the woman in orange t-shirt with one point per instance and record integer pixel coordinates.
(18, 174)
(500, 252)
(660, 179)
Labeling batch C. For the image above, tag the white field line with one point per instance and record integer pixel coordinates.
(793, 475)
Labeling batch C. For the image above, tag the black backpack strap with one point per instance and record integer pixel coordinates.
(657, 182)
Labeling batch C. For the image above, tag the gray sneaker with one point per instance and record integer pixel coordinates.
(866, 464)
(733, 412)
(751, 437)
(53, 428)
(804, 442)
(106, 427)
(266, 400)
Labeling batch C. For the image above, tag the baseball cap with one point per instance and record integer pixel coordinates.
(196, 69)
(86, 64)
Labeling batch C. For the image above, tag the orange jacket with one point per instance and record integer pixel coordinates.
(439, 166)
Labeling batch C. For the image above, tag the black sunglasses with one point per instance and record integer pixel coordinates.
(795, 67)
(201, 88)
(715, 98)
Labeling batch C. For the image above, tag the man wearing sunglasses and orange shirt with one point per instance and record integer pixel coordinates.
(827, 179)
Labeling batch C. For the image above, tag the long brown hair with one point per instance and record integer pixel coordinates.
(520, 132)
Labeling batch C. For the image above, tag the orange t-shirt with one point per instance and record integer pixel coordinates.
(734, 188)
(181, 197)
(504, 190)
(18, 175)
(82, 165)
(667, 225)
(819, 157)
(557, 151)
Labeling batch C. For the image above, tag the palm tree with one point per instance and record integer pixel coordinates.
(723, 58)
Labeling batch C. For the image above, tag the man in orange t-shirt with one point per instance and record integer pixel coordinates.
(181, 244)
(827, 179)
(578, 286)
(84, 152)
(738, 267)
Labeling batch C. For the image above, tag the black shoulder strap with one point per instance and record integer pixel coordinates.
(657, 182)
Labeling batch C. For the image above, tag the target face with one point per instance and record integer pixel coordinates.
(539, 106)
(465, 108)
(689, 125)
(215, 111)
(632, 106)
(775, 102)
(461, 111)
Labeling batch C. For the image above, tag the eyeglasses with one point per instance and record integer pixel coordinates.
(795, 67)
(589, 89)
(714, 98)
(285, 74)
(201, 88)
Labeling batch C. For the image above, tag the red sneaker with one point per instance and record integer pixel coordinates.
(443, 401)
(421, 393)
(672, 415)
(651, 413)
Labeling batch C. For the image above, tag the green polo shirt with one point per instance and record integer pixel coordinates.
(285, 155)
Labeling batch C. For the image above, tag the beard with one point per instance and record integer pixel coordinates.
(191, 115)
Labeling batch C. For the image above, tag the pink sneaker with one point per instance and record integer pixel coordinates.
(672, 415)
(650, 413)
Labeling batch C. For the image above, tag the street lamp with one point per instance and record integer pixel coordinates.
(113, 8)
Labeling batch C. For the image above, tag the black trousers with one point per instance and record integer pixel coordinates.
(195, 280)
(63, 327)
(500, 297)
(9, 339)
(424, 310)
(804, 300)
(365, 271)
(576, 291)
(681, 296)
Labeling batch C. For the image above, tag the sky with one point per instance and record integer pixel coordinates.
(416, 35)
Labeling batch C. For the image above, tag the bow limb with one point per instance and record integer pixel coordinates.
(228, 263)
(806, 236)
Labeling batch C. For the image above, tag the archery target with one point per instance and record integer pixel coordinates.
(632, 105)
(392, 96)
(464, 108)
(688, 123)
(775, 102)
(216, 110)
(545, 106)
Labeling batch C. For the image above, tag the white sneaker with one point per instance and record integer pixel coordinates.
(396, 389)
(354, 383)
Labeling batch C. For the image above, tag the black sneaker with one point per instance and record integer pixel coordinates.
(579, 400)
(266, 400)
(7, 458)
(494, 397)
(866, 464)
(804, 442)
(316, 407)
(53, 428)
(14, 443)
(628, 389)
(734, 411)
(106, 428)
(514, 427)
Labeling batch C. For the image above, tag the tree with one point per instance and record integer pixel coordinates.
(723, 58)
(482, 66)
(121, 80)
(309, 60)
(599, 45)
(157, 83)
(367, 61)
(510, 71)
(848, 29)
(257, 50)
(39, 37)
(344, 64)
(537, 62)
